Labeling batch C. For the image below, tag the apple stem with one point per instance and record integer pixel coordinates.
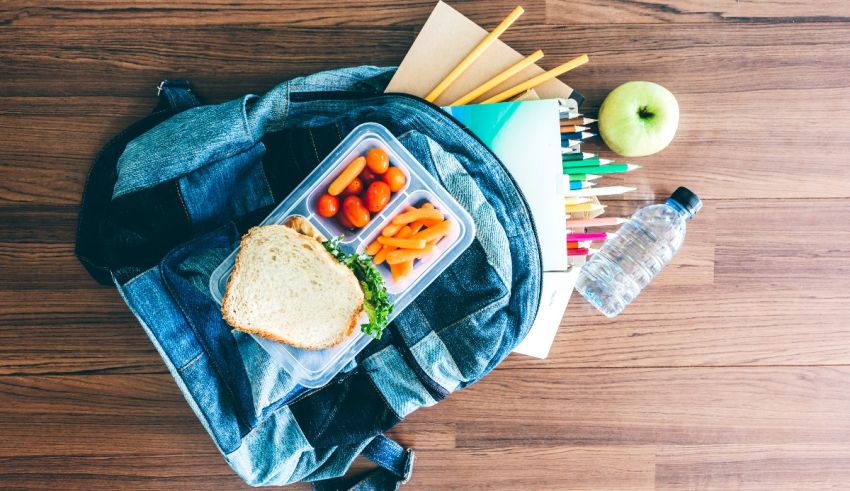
(645, 113)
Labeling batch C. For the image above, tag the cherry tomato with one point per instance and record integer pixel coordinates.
(394, 178)
(368, 177)
(355, 211)
(377, 196)
(356, 187)
(377, 160)
(344, 221)
(328, 205)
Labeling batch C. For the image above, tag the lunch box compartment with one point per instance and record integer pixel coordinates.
(414, 199)
(358, 150)
(314, 368)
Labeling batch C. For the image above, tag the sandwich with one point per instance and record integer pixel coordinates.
(291, 285)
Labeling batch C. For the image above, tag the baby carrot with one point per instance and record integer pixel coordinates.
(402, 243)
(373, 248)
(391, 230)
(420, 214)
(400, 270)
(404, 255)
(420, 224)
(381, 256)
(404, 233)
(435, 232)
(346, 176)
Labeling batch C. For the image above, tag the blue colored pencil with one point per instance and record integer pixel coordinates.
(576, 185)
(578, 135)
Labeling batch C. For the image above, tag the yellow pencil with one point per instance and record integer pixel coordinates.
(473, 55)
(583, 208)
(495, 81)
(575, 200)
(539, 79)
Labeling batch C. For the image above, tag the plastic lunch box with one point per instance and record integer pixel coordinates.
(314, 368)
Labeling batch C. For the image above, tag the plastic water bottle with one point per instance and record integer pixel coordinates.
(614, 276)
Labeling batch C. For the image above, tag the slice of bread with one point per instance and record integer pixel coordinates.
(286, 287)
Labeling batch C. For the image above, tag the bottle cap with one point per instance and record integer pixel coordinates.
(687, 199)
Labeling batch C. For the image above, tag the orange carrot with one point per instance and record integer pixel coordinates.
(403, 255)
(390, 230)
(346, 176)
(373, 248)
(437, 231)
(401, 270)
(402, 243)
(420, 214)
(381, 256)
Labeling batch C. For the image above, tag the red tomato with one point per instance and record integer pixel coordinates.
(328, 205)
(377, 160)
(356, 187)
(344, 221)
(394, 178)
(355, 211)
(377, 196)
(368, 176)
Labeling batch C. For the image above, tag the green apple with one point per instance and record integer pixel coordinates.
(638, 118)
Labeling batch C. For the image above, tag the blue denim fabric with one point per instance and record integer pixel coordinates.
(213, 159)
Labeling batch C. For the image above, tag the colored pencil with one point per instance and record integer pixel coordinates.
(473, 55)
(501, 77)
(595, 236)
(539, 79)
(603, 191)
(576, 200)
(577, 120)
(570, 143)
(595, 222)
(580, 185)
(602, 169)
(595, 162)
(581, 177)
(579, 251)
(584, 208)
(578, 135)
(573, 128)
(578, 156)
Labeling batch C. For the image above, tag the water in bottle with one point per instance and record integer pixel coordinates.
(614, 276)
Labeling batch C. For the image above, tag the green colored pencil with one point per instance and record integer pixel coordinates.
(578, 156)
(586, 163)
(582, 177)
(602, 169)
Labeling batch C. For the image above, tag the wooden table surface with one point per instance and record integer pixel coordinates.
(731, 371)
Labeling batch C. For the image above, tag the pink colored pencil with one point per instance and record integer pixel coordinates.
(595, 222)
(588, 236)
(581, 251)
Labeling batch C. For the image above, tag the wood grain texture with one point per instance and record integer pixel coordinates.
(731, 371)
(594, 12)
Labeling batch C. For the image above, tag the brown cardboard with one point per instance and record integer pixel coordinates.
(444, 41)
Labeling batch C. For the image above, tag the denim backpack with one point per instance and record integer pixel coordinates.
(168, 199)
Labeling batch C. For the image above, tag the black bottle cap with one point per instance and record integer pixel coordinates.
(687, 199)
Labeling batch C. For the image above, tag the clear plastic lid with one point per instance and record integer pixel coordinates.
(314, 368)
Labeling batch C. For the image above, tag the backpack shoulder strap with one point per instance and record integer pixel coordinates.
(395, 468)
(174, 96)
